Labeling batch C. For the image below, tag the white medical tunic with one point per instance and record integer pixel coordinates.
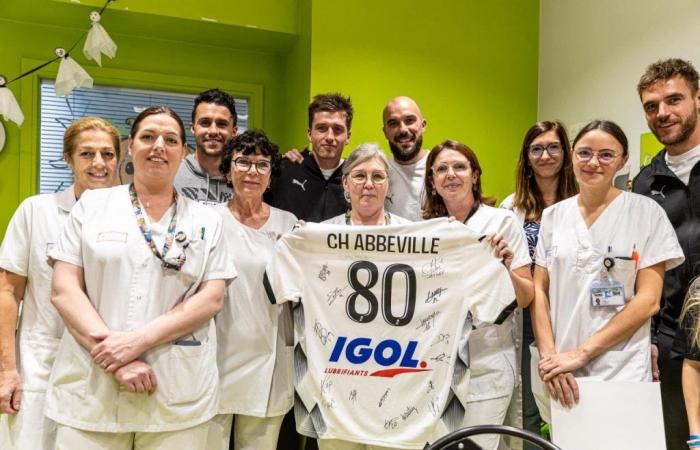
(128, 287)
(255, 362)
(573, 255)
(342, 220)
(380, 314)
(31, 233)
(492, 354)
(406, 188)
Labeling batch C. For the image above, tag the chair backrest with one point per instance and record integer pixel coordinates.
(458, 440)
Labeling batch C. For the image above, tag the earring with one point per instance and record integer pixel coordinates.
(346, 194)
(433, 192)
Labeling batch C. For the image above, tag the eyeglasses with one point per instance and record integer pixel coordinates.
(458, 168)
(604, 156)
(360, 178)
(552, 149)
(244, 164)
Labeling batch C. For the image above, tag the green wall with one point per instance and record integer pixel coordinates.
(470, 65)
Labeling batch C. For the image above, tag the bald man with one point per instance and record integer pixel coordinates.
(403, 128)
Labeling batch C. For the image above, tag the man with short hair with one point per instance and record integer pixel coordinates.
(403, 128)
(312, 190)
(213, 124)
(671, 101)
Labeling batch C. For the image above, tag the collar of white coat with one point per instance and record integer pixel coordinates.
(66, 199)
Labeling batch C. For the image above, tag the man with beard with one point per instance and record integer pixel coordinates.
(670, 98)
(310, 183)
(213, 125)
(403, 128)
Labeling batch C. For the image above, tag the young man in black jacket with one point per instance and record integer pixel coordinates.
(312, 190)
(671, 101)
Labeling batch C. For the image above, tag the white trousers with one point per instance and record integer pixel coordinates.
(335, 444)
(29, 428)
(195, 438)
(487, 412)
(250, 433)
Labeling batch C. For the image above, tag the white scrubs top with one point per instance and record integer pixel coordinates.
(492, 355)
(129, 288)
(255, 362)
(406, 188)
(341, 220)
(32, 232)
(573, 256)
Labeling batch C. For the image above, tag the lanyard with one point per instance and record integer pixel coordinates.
(146, 230)
(348, 218)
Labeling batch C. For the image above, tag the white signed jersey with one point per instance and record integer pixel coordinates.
(379, 314)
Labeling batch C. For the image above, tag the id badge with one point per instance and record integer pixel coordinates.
(605, 293)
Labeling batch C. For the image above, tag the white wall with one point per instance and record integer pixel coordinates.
(592, 53)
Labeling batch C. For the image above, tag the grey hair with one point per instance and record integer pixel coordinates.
(364, 153)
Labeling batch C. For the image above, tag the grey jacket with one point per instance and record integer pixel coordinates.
(196, 184)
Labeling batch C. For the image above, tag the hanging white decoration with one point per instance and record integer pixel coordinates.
(9, 108)
(70, 75)
(98, 41)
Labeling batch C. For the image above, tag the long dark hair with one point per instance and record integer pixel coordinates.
(528, 197)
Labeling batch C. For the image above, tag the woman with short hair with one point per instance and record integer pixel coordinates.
(139, 273)
(91, 151)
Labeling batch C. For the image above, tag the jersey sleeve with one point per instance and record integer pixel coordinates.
(220, 264)
(69, 245)
(515, 235)
(14, 252)
(662, 243)
(492, 290)
(283, 275)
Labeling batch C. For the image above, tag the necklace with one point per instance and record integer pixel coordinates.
(348, 218)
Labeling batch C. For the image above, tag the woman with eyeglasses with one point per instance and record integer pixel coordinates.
(453, 188)
(254, 336)
(600, 263)
(139, 274)
(27, 352)
(366, 183)
(544, 176)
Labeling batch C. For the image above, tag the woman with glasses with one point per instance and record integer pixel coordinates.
(91, 151)
(544, 176)
(366, 183)
(139, 274)
(601, 258)
(254, 355)
(453, 187)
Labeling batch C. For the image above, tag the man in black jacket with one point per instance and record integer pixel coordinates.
(671, 101)
(312, 190)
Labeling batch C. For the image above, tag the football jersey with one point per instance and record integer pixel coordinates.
(380, 313)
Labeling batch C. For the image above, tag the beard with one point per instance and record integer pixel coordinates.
(687, 128)
(408, 154)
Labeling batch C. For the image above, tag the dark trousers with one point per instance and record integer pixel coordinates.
(675, 417)
(531, 415)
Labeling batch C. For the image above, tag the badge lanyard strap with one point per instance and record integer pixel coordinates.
(146, 230)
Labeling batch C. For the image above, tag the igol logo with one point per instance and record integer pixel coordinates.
(385, 353)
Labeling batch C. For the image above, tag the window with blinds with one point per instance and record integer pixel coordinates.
(117, 105)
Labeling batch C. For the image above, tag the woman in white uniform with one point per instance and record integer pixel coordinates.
(453, 188)
(601, 258)
(366, 183)
(544, 176)
(91, 150)
(139, 274)
(255, 361)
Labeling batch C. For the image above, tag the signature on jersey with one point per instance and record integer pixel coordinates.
(428, 322)
(323, 274)
(334, 294)
(434, 296)
(433, 269)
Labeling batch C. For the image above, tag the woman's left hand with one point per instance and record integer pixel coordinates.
(501, 248)
(552, 366)
(116, 348)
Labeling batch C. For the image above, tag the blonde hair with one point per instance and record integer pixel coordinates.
(690, 315)
(70, 137)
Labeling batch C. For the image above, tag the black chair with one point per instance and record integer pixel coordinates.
(459, 440)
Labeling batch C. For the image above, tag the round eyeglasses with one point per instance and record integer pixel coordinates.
(553, 149)
(244, 164)
(585, 154)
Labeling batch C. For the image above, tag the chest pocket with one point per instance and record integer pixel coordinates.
(624, 272)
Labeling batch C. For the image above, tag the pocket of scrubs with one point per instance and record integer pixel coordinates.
(187, 373)
(620, 365)
(623, 272)
(193, 268)
(539, 389)
(73, 367)
(36, 354)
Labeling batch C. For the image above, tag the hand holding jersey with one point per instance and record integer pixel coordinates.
(364, 342)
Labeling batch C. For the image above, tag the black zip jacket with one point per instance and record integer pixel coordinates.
(682, 205)
(302, 190)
